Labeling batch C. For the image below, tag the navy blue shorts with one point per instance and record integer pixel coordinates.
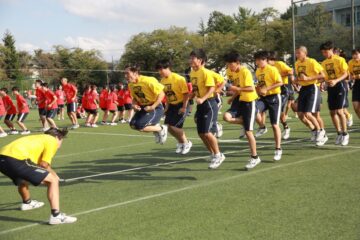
(128, 106)
(19, 171)
(309, 99)
(22, 116)
(71, 107)
(51, 113)
(234, 109)
(121, 108)
(143, 119)
(173, 117)
(206, 115)
(91, 111)
(42, 112)
(273, 104)
(356, 91)
(337, 96)
(248, 112)
(10, 117)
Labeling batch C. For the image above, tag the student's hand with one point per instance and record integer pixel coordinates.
(200, 101)
(303, 77)
(50, 105)
(332, 83)
(262, 90)
(136, 107)
(234, 89)
(149, 108)
(73, 99)
(182, 111)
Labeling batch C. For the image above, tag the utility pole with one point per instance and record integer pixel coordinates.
(293, 26)
(353, 23)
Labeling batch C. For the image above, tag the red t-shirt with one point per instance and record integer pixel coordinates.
(121, 94)
(50, 96)
(2, 108)
(69, 90)
(22, 105)
(102, 98)
(91, 97)
(60, 97)
(9, 103)
(190, 87)
(110, 101)
(40, 97)
(127, 97)
(84, 100)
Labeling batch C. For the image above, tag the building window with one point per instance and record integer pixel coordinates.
(357, 17)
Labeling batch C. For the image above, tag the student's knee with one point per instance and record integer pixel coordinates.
(227, 117)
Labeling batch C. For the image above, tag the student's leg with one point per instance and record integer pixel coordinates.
(252, 142)
(114, 117)
(356, 106)
(319, 120)
(343, 119)
(106, 115)
(24, 192)
(22, 125)
(178, 134)
(51, 122)
(9, 124)
(313, 121)
(95, 118)
(53, 194)
(335, 119)
(228, 117)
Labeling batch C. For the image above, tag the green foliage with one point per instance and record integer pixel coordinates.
(11, 57)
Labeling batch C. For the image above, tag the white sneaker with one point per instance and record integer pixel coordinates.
(103, 123)
(45, 129)
(13, 132)
(260, 132)
(286, 134)
(157, 137)
(338, 139)
(61, 219)
(217, 161)
(27, 132)
(350, 121)
(210, 158)
(163, 134)
(242, 133)
(313, 136)
(321, 142)
(75, 126)
(32, 205)
(187, 147)
(253, 162)
(278, 154)
(94, 125)
(113, 124)
(345, 140)
(219, 130)
(87, 125)
(4, 134)
(123, 121)
(179, 148)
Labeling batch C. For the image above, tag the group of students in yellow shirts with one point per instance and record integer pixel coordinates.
(28, 159)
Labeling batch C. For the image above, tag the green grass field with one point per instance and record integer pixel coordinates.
(152, 193)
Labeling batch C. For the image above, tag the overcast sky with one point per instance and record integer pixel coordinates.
(107, 24)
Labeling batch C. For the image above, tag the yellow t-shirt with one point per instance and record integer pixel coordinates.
(146, 90)
(243, 78)
(201, 80)
(37, 148)
(310, 67)
(218, 78)
(334, 67)
(283, 68)
(354, 67)
(269, 76)
(175, 87)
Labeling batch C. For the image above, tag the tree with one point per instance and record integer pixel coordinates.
(11, 57)
(219, 22)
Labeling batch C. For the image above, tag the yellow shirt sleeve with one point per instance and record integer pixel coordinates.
(285, 68)
(156, 87)
(351, 70)
(248, 79)
(183, 86)
(209, 79)
(276, 76)
(49, 152)
(343, 66)
(317, 67)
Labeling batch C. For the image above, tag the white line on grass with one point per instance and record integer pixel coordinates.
(149, 166)
(183, 189)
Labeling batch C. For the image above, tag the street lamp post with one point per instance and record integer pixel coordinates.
(353, 23)
(293, 26)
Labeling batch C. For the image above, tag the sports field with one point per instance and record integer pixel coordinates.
(121, 185)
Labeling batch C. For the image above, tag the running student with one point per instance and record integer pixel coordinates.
(102, 102)
(308, 72)
(246, 93)
(40, 99)
(354, 69)
(217, 128)
(177, 108)
(204, 86)
(51, 105)
(70, 94)
(336, 71)
(28, 160)
(121, 103)
(285, 71)
(10, 110)
(147, 94)
(60, 102)
(269, 89)
(2, 114)
(22, 110)
(129, 111)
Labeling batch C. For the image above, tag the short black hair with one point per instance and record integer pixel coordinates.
(4, 90)
(232, 56)
(200, 54)
(355, 51)
(272, 56)
(163, 64)
(45, 84)
(327, 45)
(15, 89)
(112, 87)
(263, 55)
(133, 67)
(38, 81)
(58, 133)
